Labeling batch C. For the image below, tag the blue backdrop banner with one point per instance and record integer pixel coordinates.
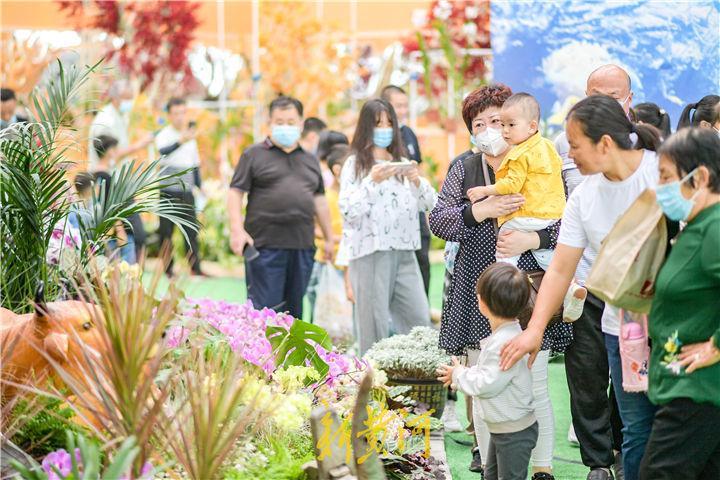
(670, 49)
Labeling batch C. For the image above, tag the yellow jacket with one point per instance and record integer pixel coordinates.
(336, 224)
(533, 169)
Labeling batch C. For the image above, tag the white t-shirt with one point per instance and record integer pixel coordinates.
(592, 211)
(108, 121)
(184, 157)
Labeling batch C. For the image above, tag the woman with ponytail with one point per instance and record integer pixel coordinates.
(703, 115)
(652, 114)
(618, 170)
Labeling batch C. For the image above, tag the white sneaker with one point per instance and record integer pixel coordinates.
(574, 302)
(572, 438)
(450, 419)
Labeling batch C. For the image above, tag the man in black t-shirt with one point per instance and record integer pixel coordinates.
(285, 194)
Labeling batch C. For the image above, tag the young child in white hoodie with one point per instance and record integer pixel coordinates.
(502, 399)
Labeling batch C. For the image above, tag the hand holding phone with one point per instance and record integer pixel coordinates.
(250, 252)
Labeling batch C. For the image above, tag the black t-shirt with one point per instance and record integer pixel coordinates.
(411, 143)
(281, 190)
(102, 177)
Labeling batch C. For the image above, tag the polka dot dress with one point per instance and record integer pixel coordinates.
(463, 326)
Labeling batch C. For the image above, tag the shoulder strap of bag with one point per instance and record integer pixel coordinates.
(486, 177)
(473, 176)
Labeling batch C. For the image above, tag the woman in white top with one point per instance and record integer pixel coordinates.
(380, 201)
(618, 172)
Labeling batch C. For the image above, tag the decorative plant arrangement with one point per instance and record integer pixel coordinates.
(106, 373)
(447, 39)
(413, 356)
(37, 199)
(412, 360)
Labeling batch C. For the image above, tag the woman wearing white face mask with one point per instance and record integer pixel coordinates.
(684, 323)
(380, 201)
(456, 219)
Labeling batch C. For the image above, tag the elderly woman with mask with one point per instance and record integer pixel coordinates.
(455, 219)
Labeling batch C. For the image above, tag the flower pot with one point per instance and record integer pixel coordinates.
(430, 392)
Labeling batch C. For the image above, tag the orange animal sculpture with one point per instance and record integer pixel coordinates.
(55, 332)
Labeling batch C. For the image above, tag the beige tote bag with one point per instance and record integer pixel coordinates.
(630, 257)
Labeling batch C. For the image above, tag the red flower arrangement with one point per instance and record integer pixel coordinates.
(157, 36)
(452, 27)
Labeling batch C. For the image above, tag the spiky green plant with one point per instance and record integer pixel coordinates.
(35, 193)
(215, 408)
(117, 390)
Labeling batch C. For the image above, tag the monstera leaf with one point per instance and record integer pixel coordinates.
(297, 345)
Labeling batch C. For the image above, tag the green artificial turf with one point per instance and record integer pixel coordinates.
(567, 463)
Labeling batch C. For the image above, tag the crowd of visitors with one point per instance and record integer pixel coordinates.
(521, 214)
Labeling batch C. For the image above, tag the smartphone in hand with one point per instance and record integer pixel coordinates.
(250, 252)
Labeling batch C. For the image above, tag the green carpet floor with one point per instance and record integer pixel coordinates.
(567, 463)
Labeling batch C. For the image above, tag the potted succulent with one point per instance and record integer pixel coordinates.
(412, 360)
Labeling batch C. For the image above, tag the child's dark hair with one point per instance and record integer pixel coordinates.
(600, 115)
(103, 143)
(652, 114)
(691, 148)
(83, 182)
(704, 110)
(504, 289)
(338, 154)
(328, 139)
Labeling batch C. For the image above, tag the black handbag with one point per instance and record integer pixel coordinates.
(474, 177)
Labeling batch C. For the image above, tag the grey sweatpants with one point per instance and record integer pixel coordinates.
(387, 286)
(509, 454)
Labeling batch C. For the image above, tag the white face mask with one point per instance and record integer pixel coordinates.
(622, 102)
(491, 142)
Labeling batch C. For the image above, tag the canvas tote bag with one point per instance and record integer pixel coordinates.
(630, 257)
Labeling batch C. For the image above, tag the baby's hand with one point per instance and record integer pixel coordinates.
(476, 193)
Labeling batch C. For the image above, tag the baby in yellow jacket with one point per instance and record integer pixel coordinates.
(532, 168)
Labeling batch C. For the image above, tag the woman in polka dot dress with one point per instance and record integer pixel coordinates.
(471, 226)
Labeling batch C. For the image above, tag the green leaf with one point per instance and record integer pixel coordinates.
(36, 473)
(123, 459)
(296, 345)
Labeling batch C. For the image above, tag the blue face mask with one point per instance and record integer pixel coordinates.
(285, 135)
(382, 137)
(672, 202)
(126, 106)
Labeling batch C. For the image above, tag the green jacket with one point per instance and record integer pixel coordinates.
(686, 310)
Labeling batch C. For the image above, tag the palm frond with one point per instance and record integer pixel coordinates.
(134, 189)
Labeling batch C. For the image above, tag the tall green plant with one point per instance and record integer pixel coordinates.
(34, 194)
(33, 191)
(118, 392)
(216, 406)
